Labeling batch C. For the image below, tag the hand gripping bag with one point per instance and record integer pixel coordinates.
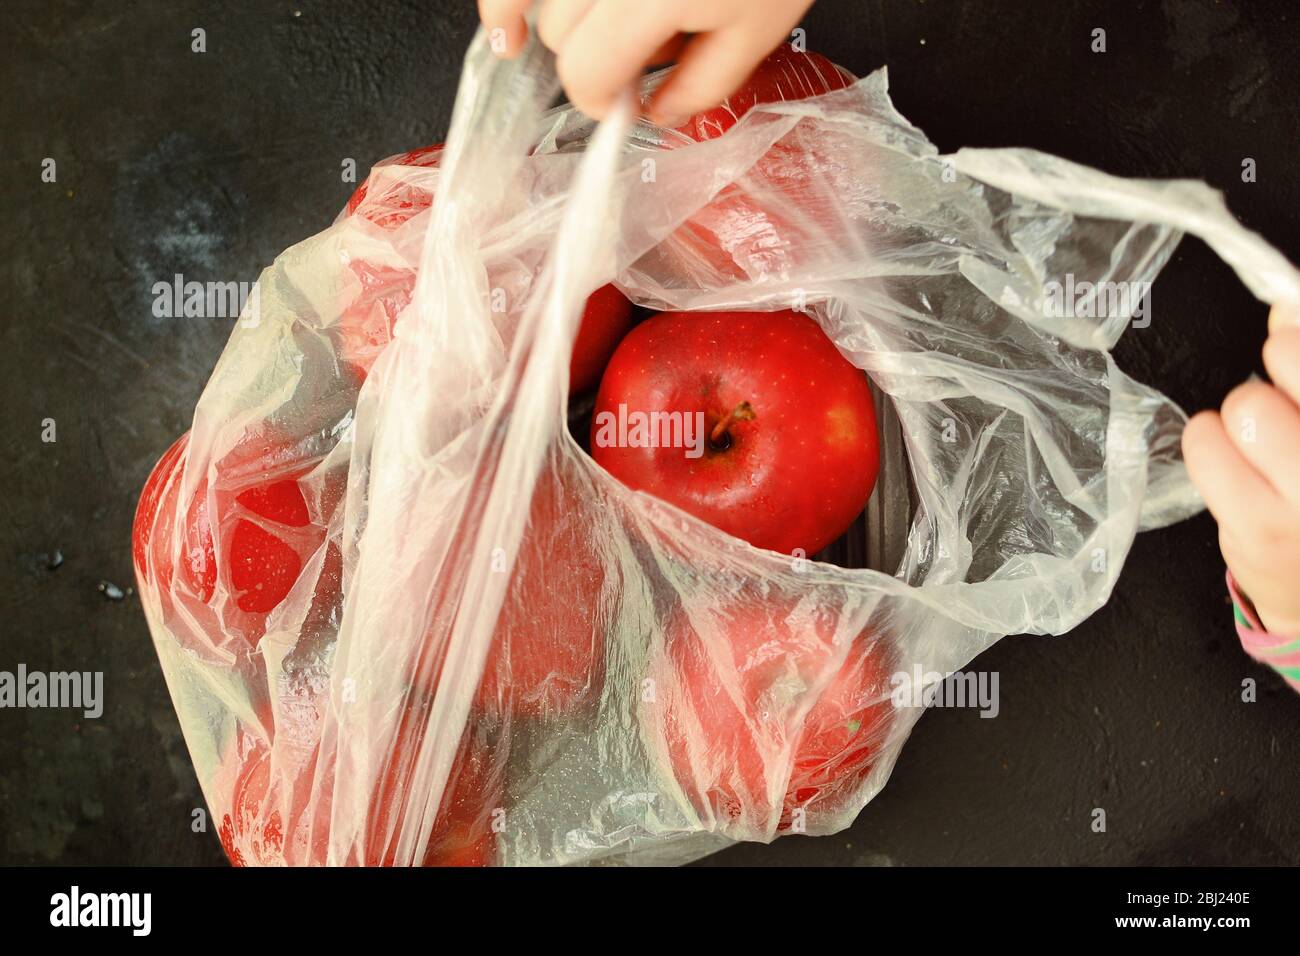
(405, 620)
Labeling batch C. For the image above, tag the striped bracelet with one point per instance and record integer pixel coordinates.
(1277, 651)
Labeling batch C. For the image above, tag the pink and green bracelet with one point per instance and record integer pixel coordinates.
(1279, 652)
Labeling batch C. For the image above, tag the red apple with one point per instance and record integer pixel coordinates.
(366, 325)
(785, 74)
(729, 689)
(272, 805)
(462, 834)
(547, 656)
(253, 831)
(390, 203)
(776, 216)
(605, 320)
(846, 728)
(263, 527)
(367, 322)
(155, 520)
(787, 456)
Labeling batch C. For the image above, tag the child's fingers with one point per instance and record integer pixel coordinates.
(504, 22)
(1282, 360)
(558, 18)
(1233, 491)
(669, 51)
(1283, 317)
(712, 66)
(607, 50)
(723, 55)
(1264, 425)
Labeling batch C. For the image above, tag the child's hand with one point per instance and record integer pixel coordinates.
(1245, 459)
(602, 46)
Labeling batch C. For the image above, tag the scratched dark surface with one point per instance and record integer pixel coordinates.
(209, 165)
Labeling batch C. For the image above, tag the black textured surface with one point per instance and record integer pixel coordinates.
(209, 165)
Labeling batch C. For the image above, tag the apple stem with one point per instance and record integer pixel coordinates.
(744, 412)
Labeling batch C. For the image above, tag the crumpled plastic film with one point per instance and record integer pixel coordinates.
(492, 651)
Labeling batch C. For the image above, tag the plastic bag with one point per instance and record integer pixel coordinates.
(406, 620)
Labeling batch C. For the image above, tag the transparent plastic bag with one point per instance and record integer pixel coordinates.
(406, 620)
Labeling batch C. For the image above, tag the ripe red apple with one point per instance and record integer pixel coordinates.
(253, 831)
(155, 520)
(388, 201)
(728, 688)
(846, 729)
(605, 320)
(547, 656)
(462, 834)
(391, 203)
(263, 526)
(788, 453)
(366, 325)
(367, 322)
(268, 805)
(779, 214)
(785, 74)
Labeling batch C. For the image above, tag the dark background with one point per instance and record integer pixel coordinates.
(209, 165)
